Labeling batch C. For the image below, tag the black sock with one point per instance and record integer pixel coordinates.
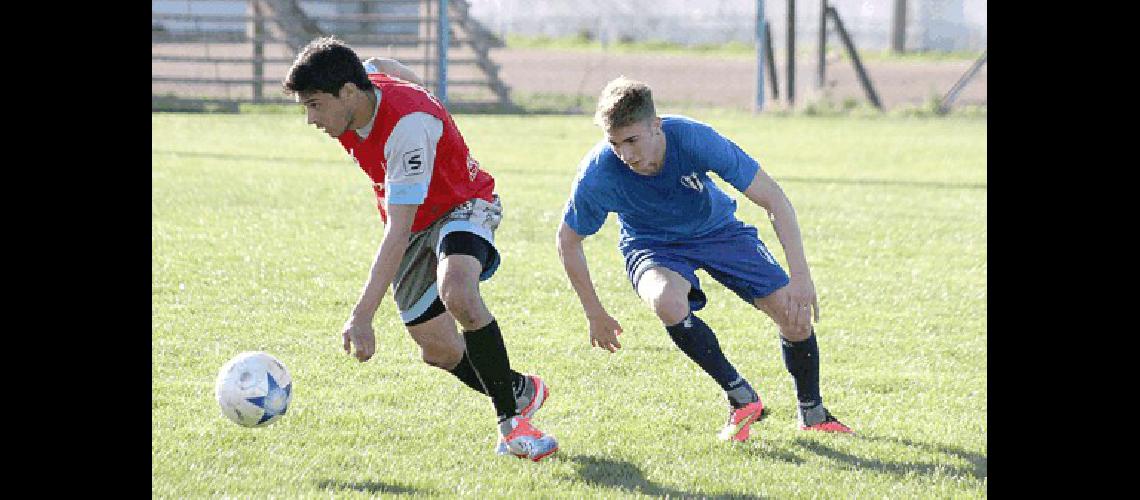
(699, 343)
(802, 361)
(488, 356)
(466, 374)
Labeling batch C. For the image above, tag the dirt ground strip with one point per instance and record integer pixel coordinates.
(731, 82)
(693, 80)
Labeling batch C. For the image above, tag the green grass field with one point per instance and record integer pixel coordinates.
(263, 230)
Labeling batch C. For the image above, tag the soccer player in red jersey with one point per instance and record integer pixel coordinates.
(440, 213)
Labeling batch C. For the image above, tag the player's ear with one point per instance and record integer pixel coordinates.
(657, 124)
(347, 90)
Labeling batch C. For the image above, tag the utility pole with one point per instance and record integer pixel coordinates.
(791, 52)
(821, 68)
(761, 34)
(898, 28)
(443, 32)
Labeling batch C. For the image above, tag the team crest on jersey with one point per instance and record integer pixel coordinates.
(472, 167)
(413, 162)
(693, 181)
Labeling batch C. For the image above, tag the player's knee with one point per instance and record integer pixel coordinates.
(459, 301)
(442, 355)
(670, 308)
(462, 301)
(795, 333)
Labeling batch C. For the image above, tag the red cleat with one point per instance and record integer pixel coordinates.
(740, 422)
(541, 394)
(823, 423)
(525, 441)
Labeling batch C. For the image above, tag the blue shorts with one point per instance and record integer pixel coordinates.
(734, 256)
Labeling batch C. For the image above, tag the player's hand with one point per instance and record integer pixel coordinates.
(604, 330)
(803, 304)
(359, 333)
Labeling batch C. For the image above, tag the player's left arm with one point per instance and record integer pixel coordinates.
(743, 172)
(392, 67)
(765, 192)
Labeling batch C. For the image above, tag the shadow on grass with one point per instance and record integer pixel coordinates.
(239, 156)
(598, 471)
(815, 180)
(977, 469)
(769, 453)
(886, 182)
(370, 487)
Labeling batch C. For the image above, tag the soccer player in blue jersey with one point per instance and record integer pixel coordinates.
(653, 173)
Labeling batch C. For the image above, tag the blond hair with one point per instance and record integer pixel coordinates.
(623, 102)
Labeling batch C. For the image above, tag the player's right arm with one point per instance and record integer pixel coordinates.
(410, 156)
(604, 329)
(358, 329)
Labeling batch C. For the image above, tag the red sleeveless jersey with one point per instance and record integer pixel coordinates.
(456, 177)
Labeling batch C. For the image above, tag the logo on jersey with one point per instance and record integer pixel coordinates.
(414, 162)
(693, 181)
(472, 167)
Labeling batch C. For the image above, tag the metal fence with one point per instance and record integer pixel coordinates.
(227, 52)
(930, 25)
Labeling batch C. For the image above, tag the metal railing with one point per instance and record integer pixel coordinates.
(216, 54)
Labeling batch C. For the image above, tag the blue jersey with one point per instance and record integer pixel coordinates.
(679, 203)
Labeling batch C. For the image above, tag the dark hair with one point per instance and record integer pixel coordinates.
(325, 65)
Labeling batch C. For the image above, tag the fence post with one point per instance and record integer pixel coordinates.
(898, 28)
(822, 63)
(256, 32)
(365, 26)
(948, 99)
(791, 52)
(868, 88)
(426, 40)
(761, 34)
(444, 41)
(771, 61)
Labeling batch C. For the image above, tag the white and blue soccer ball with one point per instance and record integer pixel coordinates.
(254, 389)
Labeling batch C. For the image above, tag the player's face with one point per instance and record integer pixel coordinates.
(327, 112)
(640, 145)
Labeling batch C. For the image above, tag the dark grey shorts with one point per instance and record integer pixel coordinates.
(415, 284)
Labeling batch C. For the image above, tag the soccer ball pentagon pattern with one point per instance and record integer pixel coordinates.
(254, 389)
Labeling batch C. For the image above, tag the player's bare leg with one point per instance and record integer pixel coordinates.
(801, 358)
(439, 341)
(442, 346)
(667, 293)
(458, 280)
